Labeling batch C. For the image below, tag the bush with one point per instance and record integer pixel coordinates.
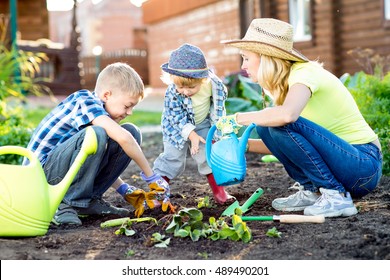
(243, 94)
(372, 95)
(14, 131)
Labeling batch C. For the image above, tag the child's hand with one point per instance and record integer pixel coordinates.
(161, 189)
(228, 124)
(134, 196)
(195, 141)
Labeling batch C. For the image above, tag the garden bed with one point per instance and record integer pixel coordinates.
(364, 236)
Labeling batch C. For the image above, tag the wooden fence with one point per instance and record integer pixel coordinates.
(91, 65)
(62, 70)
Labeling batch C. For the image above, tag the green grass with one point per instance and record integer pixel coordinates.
(139, 118)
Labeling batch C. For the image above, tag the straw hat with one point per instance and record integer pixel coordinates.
(187, 61)
(270, 37)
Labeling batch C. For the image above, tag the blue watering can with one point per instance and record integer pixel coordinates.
(226, 157)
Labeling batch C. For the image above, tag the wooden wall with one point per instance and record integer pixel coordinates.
(361, 24)
(338, 27)
(204, 27)
(33, 18)
(62, 70)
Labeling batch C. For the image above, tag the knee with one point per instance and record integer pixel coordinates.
(262, 131)
(134, 130)
(101, 136)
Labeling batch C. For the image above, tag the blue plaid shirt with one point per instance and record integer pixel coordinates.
(65, 120)
(178, 116)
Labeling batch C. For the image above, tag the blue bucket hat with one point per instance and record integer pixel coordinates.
(187, 61)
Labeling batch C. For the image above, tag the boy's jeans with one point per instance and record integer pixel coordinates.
(315, 157)
(98, 172)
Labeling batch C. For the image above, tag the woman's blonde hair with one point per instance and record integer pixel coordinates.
(273, 75)
(120, 76)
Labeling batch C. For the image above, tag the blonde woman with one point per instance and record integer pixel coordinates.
(315, 128)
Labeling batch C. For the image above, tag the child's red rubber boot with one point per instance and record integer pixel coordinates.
(219, 193)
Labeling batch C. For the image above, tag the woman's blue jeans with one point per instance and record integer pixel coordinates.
(315, 157)
(98, 172)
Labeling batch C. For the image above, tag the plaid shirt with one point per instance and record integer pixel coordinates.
(178, 116)
(69, 117)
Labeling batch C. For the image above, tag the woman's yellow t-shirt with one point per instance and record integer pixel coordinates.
(331, 105)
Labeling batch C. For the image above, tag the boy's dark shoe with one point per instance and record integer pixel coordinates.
(65, 214)
(101, 207)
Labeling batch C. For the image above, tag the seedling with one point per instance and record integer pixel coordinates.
(125, 224)
(273, 232)
(204, 202)
(130, 253)
(159, 241)
(188, 223)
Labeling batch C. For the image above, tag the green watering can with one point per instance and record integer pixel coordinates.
(27, 202)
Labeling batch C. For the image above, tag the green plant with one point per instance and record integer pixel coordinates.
(372, 95)
(14, 131)
(17, 77)
(204, 202)
(125, 224)
(273, 232)
(243, 94)
(159, 240)
(130, 253)
(188, 222)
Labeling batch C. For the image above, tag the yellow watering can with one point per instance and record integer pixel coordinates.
(27, 202)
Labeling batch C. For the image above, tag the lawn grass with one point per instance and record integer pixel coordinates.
(139, 118)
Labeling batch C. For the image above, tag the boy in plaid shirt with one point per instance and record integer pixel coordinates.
(59, 136)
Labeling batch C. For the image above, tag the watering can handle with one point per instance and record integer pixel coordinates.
(209, 140)
(19, 151)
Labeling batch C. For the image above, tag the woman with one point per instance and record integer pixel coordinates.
(315, 128)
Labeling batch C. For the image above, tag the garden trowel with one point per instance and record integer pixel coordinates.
(245, 207)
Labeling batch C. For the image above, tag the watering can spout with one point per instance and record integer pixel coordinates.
(245, 137)
(58, 191)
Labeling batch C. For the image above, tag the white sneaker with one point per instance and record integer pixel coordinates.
(297, 201)
(332, 204)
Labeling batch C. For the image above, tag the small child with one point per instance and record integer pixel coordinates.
(59, 136)
(194, 100)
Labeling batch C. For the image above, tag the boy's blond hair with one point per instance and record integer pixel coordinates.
(181, 81)
(120, 76)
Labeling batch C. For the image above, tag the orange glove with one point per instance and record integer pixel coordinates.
(161, 188)
(136, 197)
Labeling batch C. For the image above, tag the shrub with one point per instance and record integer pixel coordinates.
(372, 95)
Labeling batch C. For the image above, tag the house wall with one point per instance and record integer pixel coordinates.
(32, 18)
(361, 24)
(204, 27)
(338, 27)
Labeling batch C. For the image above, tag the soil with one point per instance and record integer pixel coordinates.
(365, 236)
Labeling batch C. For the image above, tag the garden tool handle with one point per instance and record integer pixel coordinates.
(295, 219)
(288, 219)
(252, 199)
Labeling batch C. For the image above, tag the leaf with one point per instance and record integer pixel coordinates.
(182, 233)
(273, 232)
(226, 233)
(163, 244)
(195, 235)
